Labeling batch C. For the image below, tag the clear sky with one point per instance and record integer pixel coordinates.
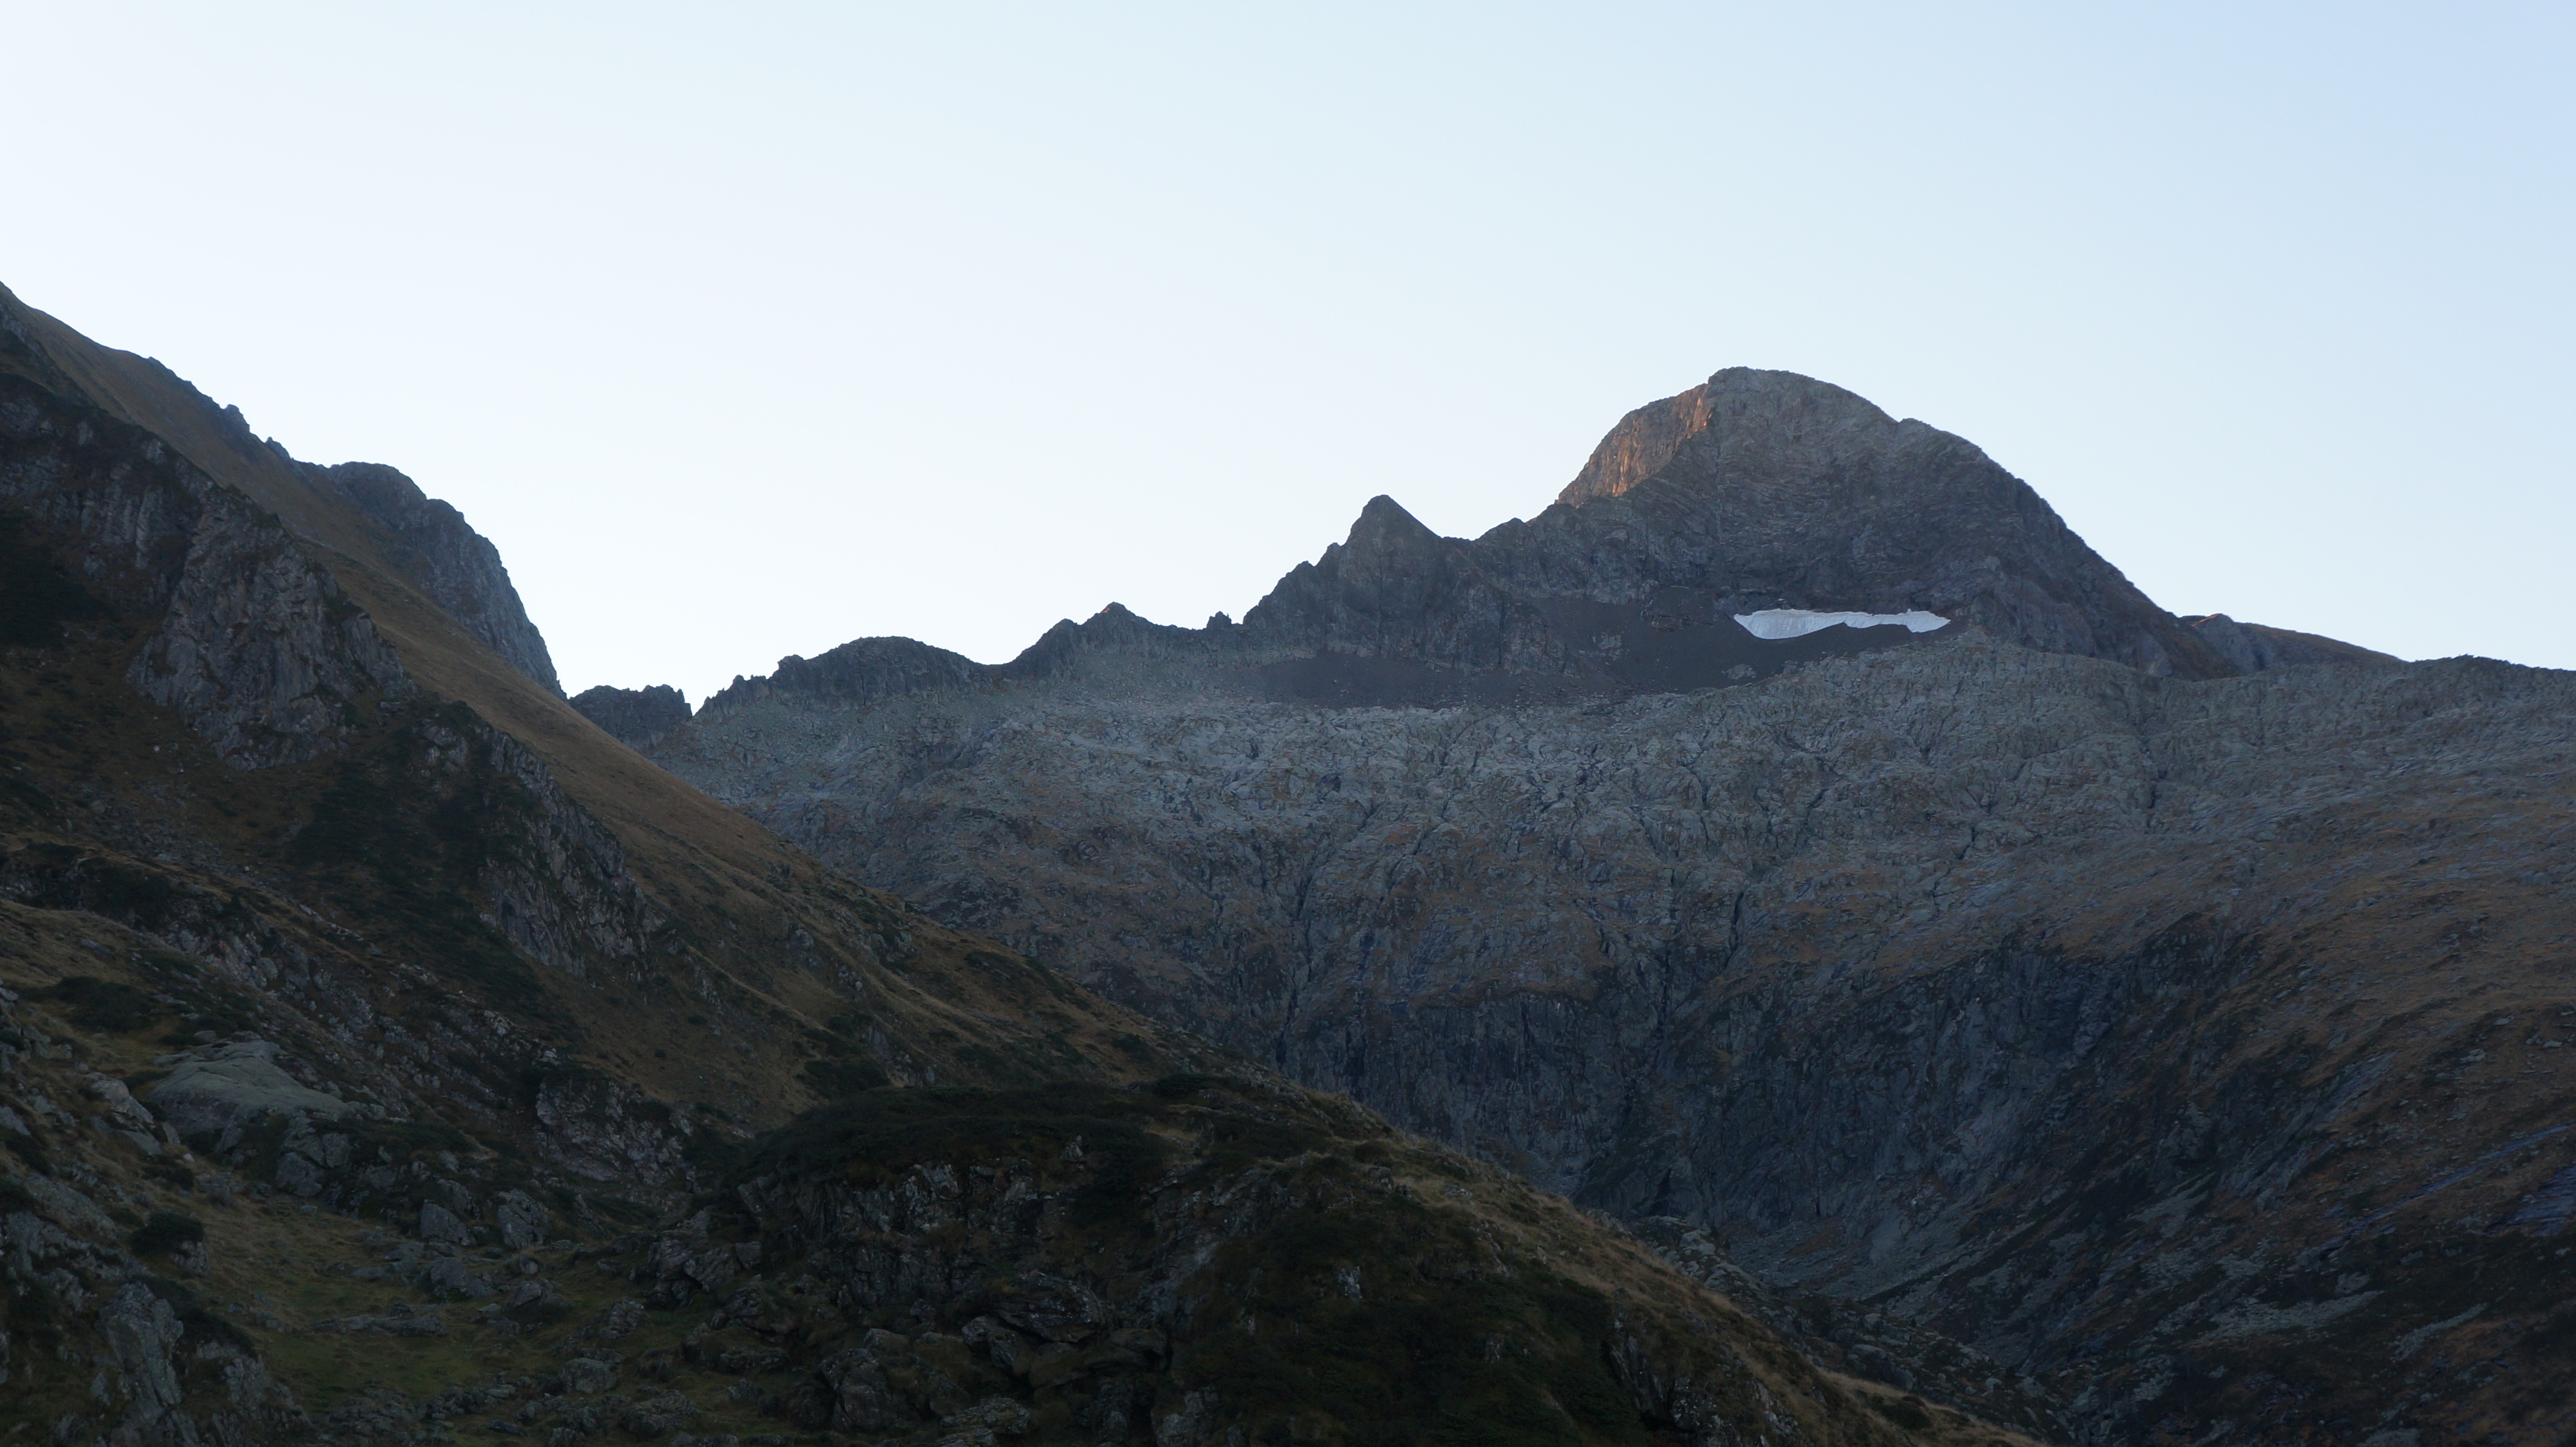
(749, 329)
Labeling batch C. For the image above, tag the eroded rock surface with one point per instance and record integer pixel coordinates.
(2146, 1019)
(1888, 970)
(450, 561)
(2252, 647)
(636, 717)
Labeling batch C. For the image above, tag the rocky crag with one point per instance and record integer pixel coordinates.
(438, 553)
(386, 1052)
(636, 717)
(2169, 1013)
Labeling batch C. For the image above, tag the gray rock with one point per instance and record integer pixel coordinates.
(437, 1223)
(656, 1414)
(616, 1320)
(1000, 1416)
(258, 648)
(2252, 647)
(142, 1334)
(1877, 1364)
(215, 1088)
(458, 567)
(448, 1277)
(585, 1377)
(296, 1174)
(862, 1401)
(635, 717)
(66, 1206)
(522, 1220)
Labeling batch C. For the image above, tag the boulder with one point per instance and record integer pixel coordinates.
(447, 1277)
(218, 1088)
(523, 1221)
(437, 1223)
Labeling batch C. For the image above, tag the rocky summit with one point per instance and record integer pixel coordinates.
(1797, 844)
(389, 1053)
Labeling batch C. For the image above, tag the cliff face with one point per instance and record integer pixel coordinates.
(2181, 1040)
(360, 1001)
(456, 566)
(635, 717)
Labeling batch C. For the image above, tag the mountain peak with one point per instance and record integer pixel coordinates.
(1789, 416)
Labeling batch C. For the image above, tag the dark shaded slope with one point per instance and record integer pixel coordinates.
(2193, 1047)
(1219, 1260)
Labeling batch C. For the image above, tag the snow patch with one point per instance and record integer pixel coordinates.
(1777, 623)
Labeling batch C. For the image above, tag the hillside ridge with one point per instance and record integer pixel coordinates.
(386, 1052)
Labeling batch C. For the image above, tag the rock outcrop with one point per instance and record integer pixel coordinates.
(232, 1086)
(268, 799)
(2252, 647)
(859, 672)
(448, 560)
(253, 642)
(635, 717)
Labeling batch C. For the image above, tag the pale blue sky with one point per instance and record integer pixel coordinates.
(748, 330)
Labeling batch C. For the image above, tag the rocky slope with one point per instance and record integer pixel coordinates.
(2252, 647)
(444, 557)
(385, 1051)
(2185, 1040)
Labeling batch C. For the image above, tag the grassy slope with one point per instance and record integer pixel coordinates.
(694, 857)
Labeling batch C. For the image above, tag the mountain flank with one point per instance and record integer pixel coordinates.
(389, 1054)
(2136, 1028)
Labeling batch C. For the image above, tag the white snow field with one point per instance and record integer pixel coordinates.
(1777, 623)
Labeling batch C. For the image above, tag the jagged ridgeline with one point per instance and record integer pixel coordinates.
(389, 1054)
(2144, 1028)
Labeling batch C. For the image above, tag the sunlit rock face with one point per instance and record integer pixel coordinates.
(2053, 979)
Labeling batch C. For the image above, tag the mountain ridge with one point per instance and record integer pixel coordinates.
(2119, 998)
(1527, 598)
(388, 1052)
